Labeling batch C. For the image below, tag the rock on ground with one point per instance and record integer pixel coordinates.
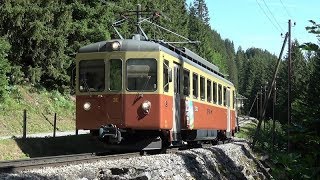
(228, 161)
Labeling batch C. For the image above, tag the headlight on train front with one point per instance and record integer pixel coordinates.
(87, 106)
(115, 45)
(146, 106)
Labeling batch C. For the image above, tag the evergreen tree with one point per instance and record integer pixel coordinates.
(300, 82)
(202, 10)
(230, 62)
(240, 59)
(300, 74)
(256, 70)
(38, 38)
(212, 47)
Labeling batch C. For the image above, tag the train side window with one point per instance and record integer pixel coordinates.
(220, 94)
(91, 75)
(214, 89)
(209, 92)
(195, 86)
(225, 96)
(186, 82)
(202, 88)
(165, 76)
(115, 76)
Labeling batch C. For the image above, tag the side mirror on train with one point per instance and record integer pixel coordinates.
(73, 80)
(170, 74)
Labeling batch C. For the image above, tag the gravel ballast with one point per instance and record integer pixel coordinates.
(228, 161)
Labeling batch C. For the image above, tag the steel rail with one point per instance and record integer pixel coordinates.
(53, 161)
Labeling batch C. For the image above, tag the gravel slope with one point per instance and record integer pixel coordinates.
(228, 161)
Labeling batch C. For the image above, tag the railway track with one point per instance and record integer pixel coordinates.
(55, 161)
(52, 161)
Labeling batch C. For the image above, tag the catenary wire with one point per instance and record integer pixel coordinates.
(286, 9)
(268, 17)
(272, 15)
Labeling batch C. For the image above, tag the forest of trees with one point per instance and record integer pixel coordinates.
(39, 40)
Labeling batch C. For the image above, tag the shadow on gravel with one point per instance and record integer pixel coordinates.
(50, 146)
(27, 176)
(202, 166)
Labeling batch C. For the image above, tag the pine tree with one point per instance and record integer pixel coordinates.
(240, 59)
(202, 10)
(230, 61)
(300, 82)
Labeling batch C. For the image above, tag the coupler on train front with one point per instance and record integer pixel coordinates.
(130, 139)
(110, 133)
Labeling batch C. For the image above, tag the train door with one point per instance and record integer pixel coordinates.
(176, 128)
(114, 100)
(228, 113)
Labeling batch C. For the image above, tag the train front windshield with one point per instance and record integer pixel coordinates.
(91, 76)
(141, 75)
(94, 77)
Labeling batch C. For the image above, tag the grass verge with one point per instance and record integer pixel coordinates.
(41, 106)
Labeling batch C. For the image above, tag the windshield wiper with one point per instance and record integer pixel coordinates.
(140, 94)
(86, 87)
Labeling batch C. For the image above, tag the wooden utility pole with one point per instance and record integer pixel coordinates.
(265, 98)
(271, 85)
(138, 18)
(258, 105)
(24, 135)
(273, 115)
(289, 83)
(253, 104)
(54, 124)
(260, 113)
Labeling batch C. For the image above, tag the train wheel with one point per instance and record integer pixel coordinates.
(94, 132)
(194, 144)
(214, 142)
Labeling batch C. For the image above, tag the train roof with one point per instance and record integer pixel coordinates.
(140, 45)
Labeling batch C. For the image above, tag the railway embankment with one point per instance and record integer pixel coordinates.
(234, 160)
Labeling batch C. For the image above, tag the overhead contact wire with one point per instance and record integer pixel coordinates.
(268, 17)
(272, 15)
(286, 9)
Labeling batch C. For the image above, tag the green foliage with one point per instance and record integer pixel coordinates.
(37, 35)
(302, 161)
(4, 67)
(212, 47)
(300, 76)
(16, 75)
(230, 62)
(295, 165)
(255, 67)
(45, 35)
(201, 10)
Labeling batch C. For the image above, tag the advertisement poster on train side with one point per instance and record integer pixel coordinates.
(190, 114)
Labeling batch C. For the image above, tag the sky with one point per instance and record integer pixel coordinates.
(247, 25)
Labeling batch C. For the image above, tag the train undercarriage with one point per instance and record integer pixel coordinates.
(148, 140)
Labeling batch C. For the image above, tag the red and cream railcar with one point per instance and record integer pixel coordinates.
(133, 88)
